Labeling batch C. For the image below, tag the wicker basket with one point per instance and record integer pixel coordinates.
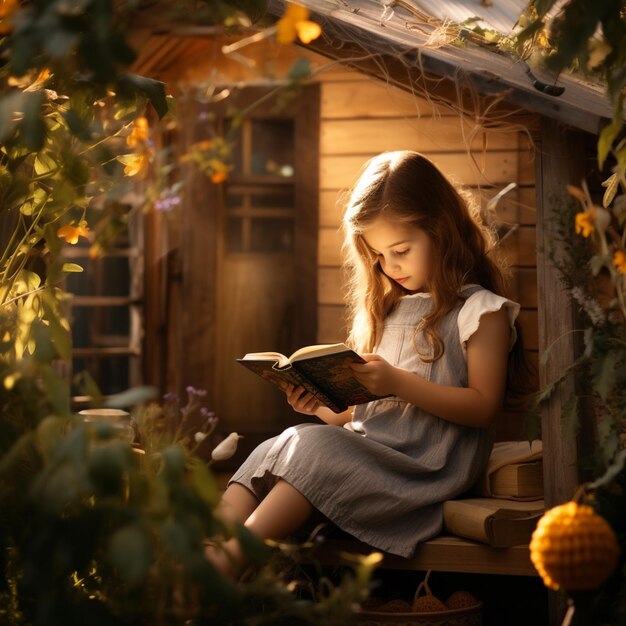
(466, 616)
(470, 616)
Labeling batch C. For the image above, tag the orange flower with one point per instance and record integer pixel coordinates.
(140, 132)
(619, 260)
(585, 222)
(295, 23)
(219, 177)
(7, 9)
(72, 233)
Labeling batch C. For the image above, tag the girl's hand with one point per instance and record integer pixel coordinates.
(377, 375)
(301, 400)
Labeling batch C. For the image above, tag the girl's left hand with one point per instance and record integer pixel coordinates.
(377, 375)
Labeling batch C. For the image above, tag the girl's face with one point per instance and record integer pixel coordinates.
(403, 252)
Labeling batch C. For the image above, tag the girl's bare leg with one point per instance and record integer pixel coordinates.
(280, 513)
(237, 504)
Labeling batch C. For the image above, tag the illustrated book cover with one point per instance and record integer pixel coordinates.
(323, 370)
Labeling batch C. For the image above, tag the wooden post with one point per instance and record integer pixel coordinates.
(560, 160)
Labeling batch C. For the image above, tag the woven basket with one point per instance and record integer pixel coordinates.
(470, 616)
(466, 616)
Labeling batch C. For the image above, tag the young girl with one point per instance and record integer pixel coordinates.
(429, 318)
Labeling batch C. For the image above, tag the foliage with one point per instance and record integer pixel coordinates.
(90, 530)
(588, 37)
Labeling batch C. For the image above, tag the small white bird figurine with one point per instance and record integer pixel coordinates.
(225, 449)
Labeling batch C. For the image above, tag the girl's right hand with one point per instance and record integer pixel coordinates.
(301, 400)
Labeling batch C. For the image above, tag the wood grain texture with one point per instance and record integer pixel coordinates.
(560, 161)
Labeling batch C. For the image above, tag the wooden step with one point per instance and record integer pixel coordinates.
(445, 553)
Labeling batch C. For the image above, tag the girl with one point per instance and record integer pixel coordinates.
(429, 318)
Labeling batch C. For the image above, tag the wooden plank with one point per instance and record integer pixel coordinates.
(340, 172)
(439, 134)
(445, 553)
(520, 247)
(330, 285)
(329, 247)
(524, 286)
(331, 324)
(332, 205)
(528, 324)
(372, 98)
(559, 161)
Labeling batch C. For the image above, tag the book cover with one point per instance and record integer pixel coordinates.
(322, 370)
(499, 523)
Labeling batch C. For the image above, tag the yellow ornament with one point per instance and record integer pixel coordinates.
(573, 548)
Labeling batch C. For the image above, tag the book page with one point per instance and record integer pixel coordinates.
(309, 352)
(281, 359)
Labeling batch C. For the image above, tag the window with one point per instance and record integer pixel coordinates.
(259, 201)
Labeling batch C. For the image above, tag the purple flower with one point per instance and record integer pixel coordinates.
(192, 391)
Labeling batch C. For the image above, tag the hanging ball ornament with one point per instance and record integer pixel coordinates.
(573, 548)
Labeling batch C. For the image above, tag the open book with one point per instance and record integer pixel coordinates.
(323, 370)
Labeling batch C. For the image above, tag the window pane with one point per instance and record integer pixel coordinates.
(234, 200)
(99, 326)
(111, 372)
(271, 235)
(272, 147)
(273, 199)
(104, 276)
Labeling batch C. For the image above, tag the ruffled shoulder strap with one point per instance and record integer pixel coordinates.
(476, 305)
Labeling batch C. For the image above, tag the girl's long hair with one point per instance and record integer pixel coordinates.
(406, 188)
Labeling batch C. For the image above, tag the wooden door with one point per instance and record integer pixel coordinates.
(266, 262)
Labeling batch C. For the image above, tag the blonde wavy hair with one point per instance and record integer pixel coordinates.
(407, 188)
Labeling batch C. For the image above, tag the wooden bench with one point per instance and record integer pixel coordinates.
(445, 553)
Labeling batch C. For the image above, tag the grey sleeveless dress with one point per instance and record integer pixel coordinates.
(384, 476)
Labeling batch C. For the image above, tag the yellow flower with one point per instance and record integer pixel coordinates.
(295, 23)
(619, 260)
(136, 164)
(140, 132)
(7, 8)
(585, 222)
(72, 233)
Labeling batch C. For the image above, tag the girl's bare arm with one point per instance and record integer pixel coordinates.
(304, 402)
(478, 404)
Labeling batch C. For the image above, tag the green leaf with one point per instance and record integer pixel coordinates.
(300, 70)
(33, 128)
(604, 373)
(130, 397)
(71, 268)
(612, 185)
(59, 334)
(85, 382)
(203, 480)
(606, 139)
(256, 551)
(44, 164)
(173, 462)
(9, 106)
(152, 89)
(130, 554)
(108, 464)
